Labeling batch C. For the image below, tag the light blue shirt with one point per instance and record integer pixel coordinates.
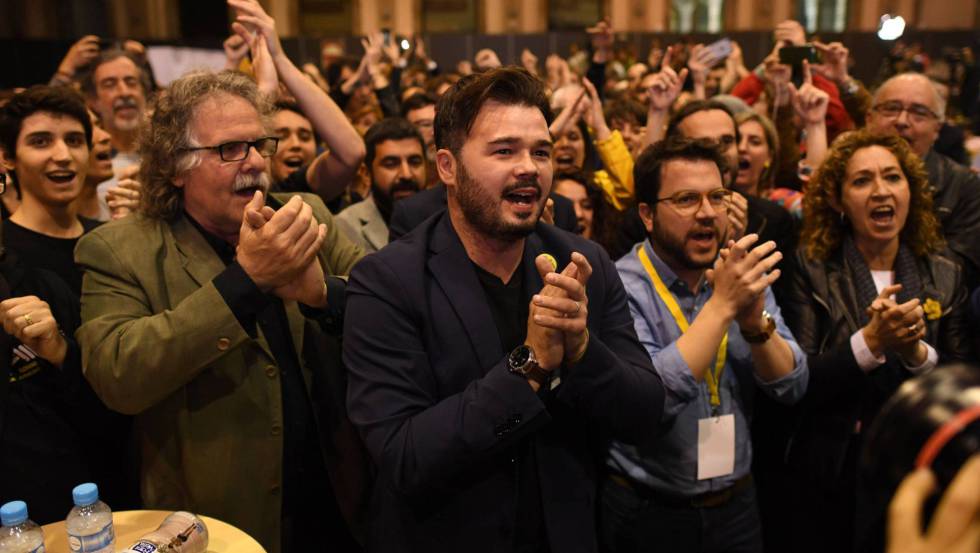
(668, 462)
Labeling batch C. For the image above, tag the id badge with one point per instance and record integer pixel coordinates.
(716, 446)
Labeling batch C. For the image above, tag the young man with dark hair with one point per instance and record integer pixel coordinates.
(714, 333)
(52, 414)
(396, 163)
(46, 136)
(420, 110)
(482, 400)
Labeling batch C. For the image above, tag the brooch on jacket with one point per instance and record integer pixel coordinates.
(932, 309)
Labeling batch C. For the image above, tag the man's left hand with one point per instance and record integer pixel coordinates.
(565, 294)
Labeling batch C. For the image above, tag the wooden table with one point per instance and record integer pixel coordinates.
(132, 525)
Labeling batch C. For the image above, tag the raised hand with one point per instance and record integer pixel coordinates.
(791, 33)
(79, 55)
(809, 101)
(266, 76)
(565, 305)
(895, 327)
(834, 66)
(124, 198)
(529, 61)
(602, 38)
(250, 15)
(667, 84)
(486, 59)
(236, 49)
(278, 251)
(29, 319)
(740, 276)
(738, 217)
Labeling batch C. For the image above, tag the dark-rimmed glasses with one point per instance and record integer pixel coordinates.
(238, 150)
(688, 202)
(917, 112)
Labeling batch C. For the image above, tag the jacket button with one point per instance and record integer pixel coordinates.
(224, 344)
(276, 430)
(515, 419)
(270, 371)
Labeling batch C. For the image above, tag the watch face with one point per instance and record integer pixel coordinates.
(519, 357)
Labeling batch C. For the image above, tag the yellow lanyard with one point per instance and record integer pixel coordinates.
(712, 378)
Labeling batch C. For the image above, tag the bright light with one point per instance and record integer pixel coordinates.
(404, 44)
(891, 27)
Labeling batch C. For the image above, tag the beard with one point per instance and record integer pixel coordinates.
(385, 199)
(674, 247)
(483, 211)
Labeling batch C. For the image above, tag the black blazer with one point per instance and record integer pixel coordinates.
(410, 212)
(442, 416)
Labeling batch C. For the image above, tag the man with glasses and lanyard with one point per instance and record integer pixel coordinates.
(910, 106)
(197, 319)
(714, 333)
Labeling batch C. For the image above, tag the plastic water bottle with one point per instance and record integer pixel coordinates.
(18, 533)
(181, 532)
(89, 523)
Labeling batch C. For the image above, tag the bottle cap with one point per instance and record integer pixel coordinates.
(85, 494)
(13, 513)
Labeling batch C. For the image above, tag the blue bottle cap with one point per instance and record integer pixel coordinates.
(85, 494)
(13, 513)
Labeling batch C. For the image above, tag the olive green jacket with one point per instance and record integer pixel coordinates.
(158, 341)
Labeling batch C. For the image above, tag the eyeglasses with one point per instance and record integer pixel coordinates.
(238, 150)
(687, 202)
(917, 112)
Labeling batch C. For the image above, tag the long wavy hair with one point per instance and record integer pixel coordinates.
(824, 227)
(162, 141)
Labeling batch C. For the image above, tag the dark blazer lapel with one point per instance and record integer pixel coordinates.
(455, 274)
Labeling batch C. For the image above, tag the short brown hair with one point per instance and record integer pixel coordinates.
(169, 132)
(460, 105)
(823, 226)
(648, 171)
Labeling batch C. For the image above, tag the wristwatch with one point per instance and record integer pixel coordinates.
(761, 337)
(523, 363)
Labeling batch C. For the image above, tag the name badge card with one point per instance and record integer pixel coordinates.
(716, 446)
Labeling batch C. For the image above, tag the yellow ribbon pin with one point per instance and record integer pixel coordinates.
(551, 258)
(932, 309)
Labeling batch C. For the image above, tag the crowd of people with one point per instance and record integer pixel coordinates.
(603, 304)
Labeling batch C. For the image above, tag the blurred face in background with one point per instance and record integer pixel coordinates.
(297, 143)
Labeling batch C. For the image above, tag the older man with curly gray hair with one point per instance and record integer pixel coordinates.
(200, 317)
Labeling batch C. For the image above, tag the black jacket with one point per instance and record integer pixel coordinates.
(430, 392)
(822, 311)
(956, 201)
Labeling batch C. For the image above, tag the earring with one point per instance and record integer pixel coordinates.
(765, 165)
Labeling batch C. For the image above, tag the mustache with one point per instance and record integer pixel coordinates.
(405, 185)
(124, 102)
(523, 183)
(244, 181)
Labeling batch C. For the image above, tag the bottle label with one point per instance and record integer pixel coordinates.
(99, 542)
(142, 546)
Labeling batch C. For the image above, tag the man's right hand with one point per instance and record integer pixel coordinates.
(667, 85)
(282, 248)
(79, 55)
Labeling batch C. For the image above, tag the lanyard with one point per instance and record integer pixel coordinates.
(712, 378)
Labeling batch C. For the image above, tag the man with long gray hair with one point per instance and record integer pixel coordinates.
(197, 319)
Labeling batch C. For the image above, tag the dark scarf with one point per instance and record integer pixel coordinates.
(906, 274)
